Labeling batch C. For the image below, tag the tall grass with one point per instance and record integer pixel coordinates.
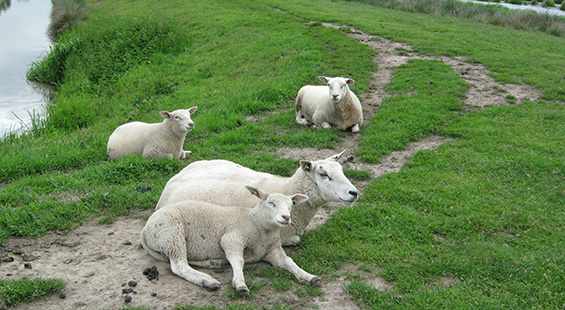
(496, 15)
(65, 14)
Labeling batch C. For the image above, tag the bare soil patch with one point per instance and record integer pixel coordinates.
(97, 262)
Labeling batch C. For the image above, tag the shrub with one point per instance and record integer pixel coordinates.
(515, 1)
(548, 4)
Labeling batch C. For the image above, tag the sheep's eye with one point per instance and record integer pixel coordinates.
(342, 86)
(272, 204)
(324, 175)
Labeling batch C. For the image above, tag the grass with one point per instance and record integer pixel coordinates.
(490, 14)
(15, 292)
(484, 211)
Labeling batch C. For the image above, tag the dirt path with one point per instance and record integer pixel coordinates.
(97, 262)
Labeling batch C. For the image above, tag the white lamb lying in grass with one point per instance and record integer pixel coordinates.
(334, 105)
(208, 235)
(219, 182)
(159, 140)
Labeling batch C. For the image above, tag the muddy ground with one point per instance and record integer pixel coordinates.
(97, 262)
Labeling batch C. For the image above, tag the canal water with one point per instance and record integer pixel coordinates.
(538, 7)
(23, 40)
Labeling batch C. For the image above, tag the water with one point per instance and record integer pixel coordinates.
(23, 40)
(538, 8)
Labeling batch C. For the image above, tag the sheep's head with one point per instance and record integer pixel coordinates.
(337, 86)
(329, 179)
(180, 119)
(275, 208)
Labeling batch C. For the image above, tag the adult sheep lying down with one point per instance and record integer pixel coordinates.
(334, 105)
(219, 182)
(208, 235)
(159, 140)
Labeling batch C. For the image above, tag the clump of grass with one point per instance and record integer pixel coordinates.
(51, 69)
(65, 14)
(15, 292)
(511, 99)
(548, 4)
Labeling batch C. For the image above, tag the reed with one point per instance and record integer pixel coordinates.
(65, 14)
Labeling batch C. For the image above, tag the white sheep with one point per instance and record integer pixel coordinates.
(334, 105)
(218, 182)
(208, 235)
(163, 139)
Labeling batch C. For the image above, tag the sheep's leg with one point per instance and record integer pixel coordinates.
(181, 268)
(178, 258)
(233, 247)
(326, 125)
(300, 119)
(277, 257)
(238, 281)
(355, 128)
(292, 241)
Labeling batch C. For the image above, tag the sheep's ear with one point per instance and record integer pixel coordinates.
(324, 79)
(256, 192)
(192, 110)
(306, 165)
(165, 114)
(298, 199)
(335, 157)
(349, 81)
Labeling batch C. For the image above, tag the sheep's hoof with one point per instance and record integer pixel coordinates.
(315, 281)
(213, 287)
(243, 290)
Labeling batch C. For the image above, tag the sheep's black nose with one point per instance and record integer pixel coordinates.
(286, 217)
(353, 193)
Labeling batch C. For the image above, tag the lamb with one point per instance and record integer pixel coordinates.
(208, 235)
(157, 140)
(218, 182)
(326, 106)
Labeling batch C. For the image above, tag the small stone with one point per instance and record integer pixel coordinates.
(127, 243)
(144, 189)
(7, 259)
(62, 295)
(29, 258)
(27, 265)
(127, 298)
(127, 290)
(154, 294)
(132, 283)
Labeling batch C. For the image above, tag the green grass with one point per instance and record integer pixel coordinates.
(15, 292)
(484, 210)
(426, 96)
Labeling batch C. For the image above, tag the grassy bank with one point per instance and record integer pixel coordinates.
(484, 211)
